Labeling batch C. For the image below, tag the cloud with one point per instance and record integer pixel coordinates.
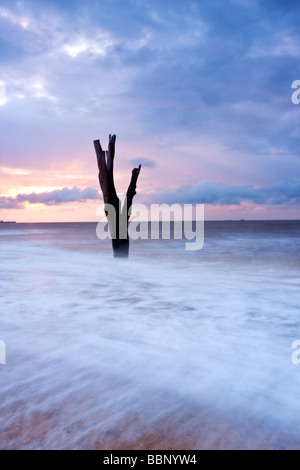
(50, 198)
(148, 162)
(8, 202)
(161, 75)
(207, 192)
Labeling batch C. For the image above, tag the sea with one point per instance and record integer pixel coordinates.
(195, 348)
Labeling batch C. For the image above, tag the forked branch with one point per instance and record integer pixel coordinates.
(117, 219)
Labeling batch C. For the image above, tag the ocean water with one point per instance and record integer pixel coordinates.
(97, 345)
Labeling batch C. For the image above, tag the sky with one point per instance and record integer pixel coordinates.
(199, 92)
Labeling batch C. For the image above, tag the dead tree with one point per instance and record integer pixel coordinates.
(117, 216)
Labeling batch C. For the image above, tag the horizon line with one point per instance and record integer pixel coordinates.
(97, 221)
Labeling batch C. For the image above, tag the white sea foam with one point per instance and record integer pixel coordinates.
(215, 330)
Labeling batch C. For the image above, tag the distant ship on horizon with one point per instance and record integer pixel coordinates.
(7, 221)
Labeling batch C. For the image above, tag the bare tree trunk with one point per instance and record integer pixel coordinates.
(117, 217)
